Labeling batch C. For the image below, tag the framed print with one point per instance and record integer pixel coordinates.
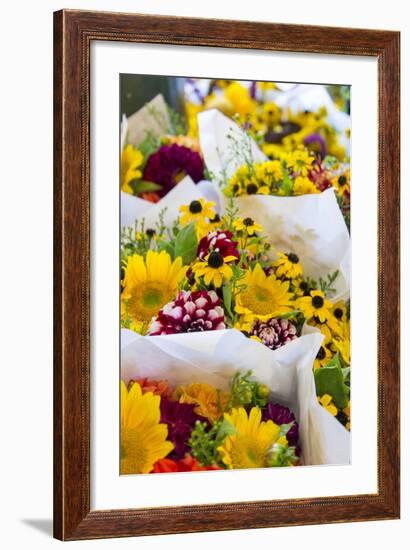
(226, 275)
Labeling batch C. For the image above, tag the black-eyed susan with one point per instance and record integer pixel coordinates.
(326, 402)
(197, 211)
(214, 269)
(323, 356)
(263, 296)
(288, 266)
(300, 161)
(249, 446)
(339, 311)
(315, 305)
(247, 225)
(342, 183)
(131, 161)
(143, 437)
(150, 283)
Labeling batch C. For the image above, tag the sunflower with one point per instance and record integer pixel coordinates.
(288, 265)
(143, 438)
(322, 358)
(264, 296)
(150, 284)
(215, 269)
(208, 401)
(326, 402)
(197, 211)
(315, 305)
(248, 225)
(131, 160)
(249, 446)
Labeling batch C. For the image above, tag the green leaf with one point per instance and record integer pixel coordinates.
(288, 315)
(225, 429)
(287, 184)
(142, 186)
(329, 379)
(227, 296)
(186, 244)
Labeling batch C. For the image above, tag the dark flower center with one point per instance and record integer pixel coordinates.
(215, 260)
(293, 258)
(317, 302)
(251, 189)
(248, 222)
(321, 354)
(235, 188)
(303, 286)
(342, 180)
(150, 232)
(342, 418)
(338, 313)
(216, 219)
(195, 207)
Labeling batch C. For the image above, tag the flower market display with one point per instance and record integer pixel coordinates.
(235, 278)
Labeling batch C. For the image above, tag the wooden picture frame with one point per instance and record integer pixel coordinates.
(74, 32)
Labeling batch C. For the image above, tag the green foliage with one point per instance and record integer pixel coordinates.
(326, 284)
(149, 145)
(178, 123)
(142, 186)
(331, 379)
(247, 392)
(227, 298)
(186, 244)
(204, 442)
(287, 183)
(281, 455)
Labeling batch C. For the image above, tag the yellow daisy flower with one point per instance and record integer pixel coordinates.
(143, 438)
(197, 211)
(326, 402)
(264, 296)
(342, 183)
(303, 186)
(208, 401)
(215, 269)
(288, 265)
(339, 311)
(150, 284)
(315, 305)
(131, 160)
(248, 447)
(248, 225)
(323, 356)
(300, 161)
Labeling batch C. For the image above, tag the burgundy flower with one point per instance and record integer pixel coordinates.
(282, 415)
(180, 419)
(190, 312)
(218, 241)
(170, 163)
(320, 176)
(274, 333)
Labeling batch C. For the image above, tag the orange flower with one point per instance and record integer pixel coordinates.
(157, 387)
(186, 464)
(208, 401)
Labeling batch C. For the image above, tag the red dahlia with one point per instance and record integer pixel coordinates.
(218, 241)
(190, 312)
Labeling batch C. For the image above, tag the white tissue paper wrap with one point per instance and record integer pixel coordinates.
(213, 357)
(133, 208)
(312, 226)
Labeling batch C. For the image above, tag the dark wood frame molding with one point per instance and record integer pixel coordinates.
(73, 33)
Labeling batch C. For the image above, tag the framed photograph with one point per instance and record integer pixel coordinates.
(226, 275)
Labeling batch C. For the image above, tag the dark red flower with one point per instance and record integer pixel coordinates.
(218, 241)
(170, 164)
(180, 419)
(190, 312)
(282, 415)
